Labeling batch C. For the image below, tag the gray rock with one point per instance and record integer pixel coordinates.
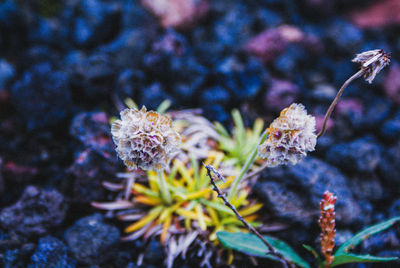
(307, 181)
(35, 212)
(92, 241)
(362, 155)
(51, 252)
(389, 166)
(283, 202)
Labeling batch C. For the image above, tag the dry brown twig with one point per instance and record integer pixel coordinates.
(272, 250)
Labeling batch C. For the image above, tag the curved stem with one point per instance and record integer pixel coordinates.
(246, 167)
(162, 184)
(335, 101)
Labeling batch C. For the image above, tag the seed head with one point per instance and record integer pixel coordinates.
(144, 139)
(372, 61)
(291, 136)
(327, 224)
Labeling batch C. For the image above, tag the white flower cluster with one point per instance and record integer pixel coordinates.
(291, 136)
(372, 61)
(144, 139)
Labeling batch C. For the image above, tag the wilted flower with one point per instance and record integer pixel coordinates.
(144, 139)
(291, 136)
(327, 224)
(372, 61)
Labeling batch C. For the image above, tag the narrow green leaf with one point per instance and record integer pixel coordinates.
(195, 167)
(112, 119)
(240, 131)
(258, 127)
(227, 144)
(352, 258)
(364, 234)
(221, 129)
(217, 206)
(164, 106)
(250, 244)
(130, 103)
(315, 254)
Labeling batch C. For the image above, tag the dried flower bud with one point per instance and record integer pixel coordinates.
(372, 61)
(327, 224)
(291, 136)
(144, 139)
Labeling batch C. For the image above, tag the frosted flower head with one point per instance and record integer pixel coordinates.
(291, 136)
(145, 139)
(372, 61)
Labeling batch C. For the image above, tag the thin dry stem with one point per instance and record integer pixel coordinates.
(257, 171)
(335, 101)
(272, 250)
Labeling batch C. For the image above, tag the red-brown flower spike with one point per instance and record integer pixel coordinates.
(327, 224)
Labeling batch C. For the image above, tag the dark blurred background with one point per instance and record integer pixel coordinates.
(67, 66)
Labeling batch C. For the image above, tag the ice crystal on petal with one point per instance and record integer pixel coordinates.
(145, 139)
(372, 61)
(291, 136)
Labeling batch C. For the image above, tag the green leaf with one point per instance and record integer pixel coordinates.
(227, 144)
(217, 206)
(352, 258)
(315, 254)
(358, 238)
(258, 127)
(164, 106)
(240, 131)
(250, 244)
(195, 167)
(130, 103)
(221, 129)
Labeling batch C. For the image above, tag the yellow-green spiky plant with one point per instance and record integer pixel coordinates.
(238, 146)
(195, 212)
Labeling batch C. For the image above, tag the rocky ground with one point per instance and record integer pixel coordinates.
(65, 66)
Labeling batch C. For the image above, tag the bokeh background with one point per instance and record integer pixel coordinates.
(66, 67)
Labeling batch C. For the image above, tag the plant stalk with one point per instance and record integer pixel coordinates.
(256, 172)
(162, 184)
(249, 162)
(335, 101)
(271, 249)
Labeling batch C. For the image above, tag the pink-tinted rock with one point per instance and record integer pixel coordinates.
(280, 95)
(319, 120)
(87, 172)
(18, 173)
(392, 83)
(313, 44)
(379, 14)
(291, 33)
(268, 45)
(180, 14)
(349, 105)
(170, 43)
(271, 43)
(92, 129)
